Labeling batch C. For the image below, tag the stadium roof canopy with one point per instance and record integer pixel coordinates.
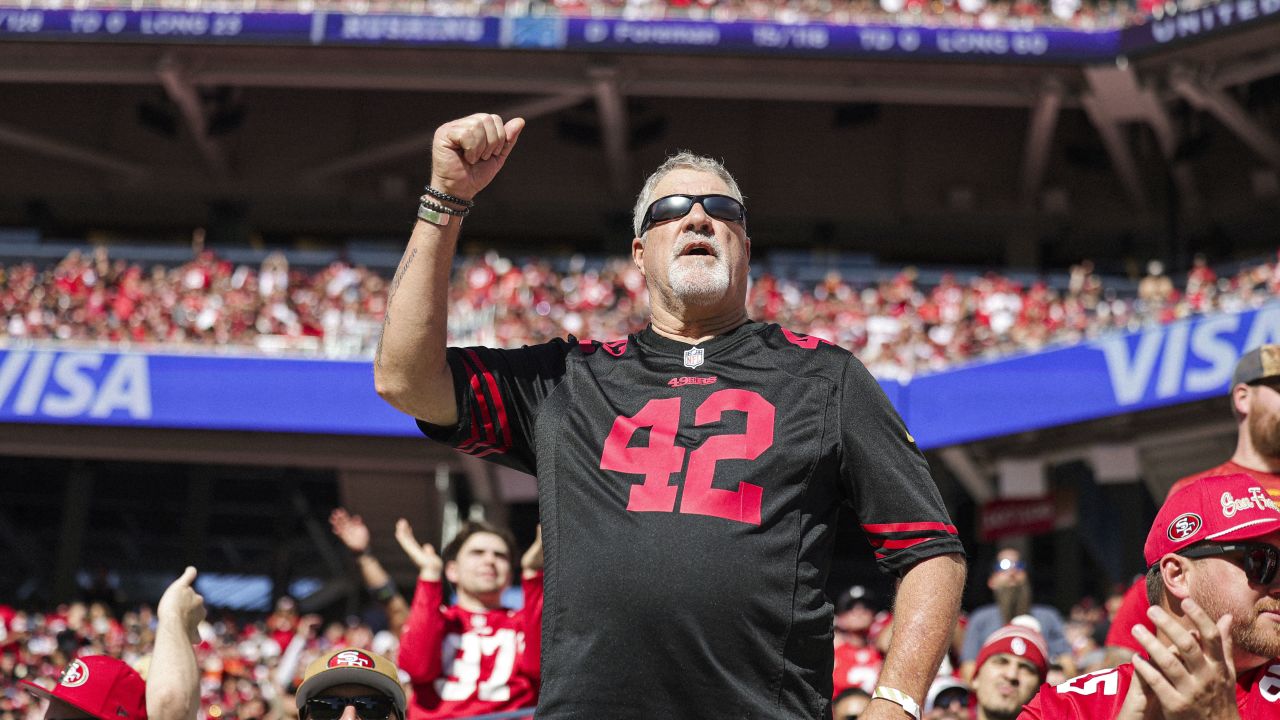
(977, 157)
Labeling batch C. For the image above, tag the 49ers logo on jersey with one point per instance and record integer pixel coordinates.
(351, 658)
(1184, 526)
(75, 675)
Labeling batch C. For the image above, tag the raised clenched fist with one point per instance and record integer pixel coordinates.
(467, 153)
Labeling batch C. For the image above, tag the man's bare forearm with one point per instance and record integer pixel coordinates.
(924, 618)
(173, 680)
(409, 366)
(409, 369)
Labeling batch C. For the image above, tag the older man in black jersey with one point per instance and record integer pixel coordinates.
(689, 475)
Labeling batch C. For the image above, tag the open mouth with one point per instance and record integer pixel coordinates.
(698, 249)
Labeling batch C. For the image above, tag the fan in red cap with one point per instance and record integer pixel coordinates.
(1213, 553)
(1012, 663)
(101, 686)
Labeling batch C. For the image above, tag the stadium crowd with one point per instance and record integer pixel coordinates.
(251, 664)
(899, 326)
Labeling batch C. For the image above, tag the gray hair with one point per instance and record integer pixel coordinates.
(683, 159)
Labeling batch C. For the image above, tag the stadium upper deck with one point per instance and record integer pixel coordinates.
(1026, 147)
(1020, 14)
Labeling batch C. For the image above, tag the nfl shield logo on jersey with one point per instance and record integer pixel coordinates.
(693, 357)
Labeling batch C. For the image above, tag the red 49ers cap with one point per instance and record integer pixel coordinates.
(355, 667)
(1221, 509)
(102, 686)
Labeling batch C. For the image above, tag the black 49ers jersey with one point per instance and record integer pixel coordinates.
(688, 497)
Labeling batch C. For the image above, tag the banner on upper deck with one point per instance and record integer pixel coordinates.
(153, 25)
(1198, 23)
(558, 33)
(1162, 365)
(82, 387)
(839, 40)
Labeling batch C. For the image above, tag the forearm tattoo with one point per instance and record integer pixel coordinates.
(391, 294)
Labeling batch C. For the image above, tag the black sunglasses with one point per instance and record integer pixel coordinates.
(1260, 559)
(368, 707)
(677, 206)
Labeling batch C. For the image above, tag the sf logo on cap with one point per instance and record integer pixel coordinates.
(1018, 646)
(351, 658)
(75, 675)
(1184, 526)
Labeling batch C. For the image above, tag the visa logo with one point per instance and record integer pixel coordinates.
(1185, 357)
(73, 384)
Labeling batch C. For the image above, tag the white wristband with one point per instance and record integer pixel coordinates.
(435, 217)
(898, 698)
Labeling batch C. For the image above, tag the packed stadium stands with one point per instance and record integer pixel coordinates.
(251, 663)
(901, 322)
(248, 670)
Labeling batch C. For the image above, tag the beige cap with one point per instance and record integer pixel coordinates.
(351, 666)
(1259, 363)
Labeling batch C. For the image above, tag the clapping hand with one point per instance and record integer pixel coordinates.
(430, 566)
(350, 529)
(1194, 678)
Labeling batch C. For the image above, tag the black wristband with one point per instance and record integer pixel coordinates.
(442, 195)
(384, 593)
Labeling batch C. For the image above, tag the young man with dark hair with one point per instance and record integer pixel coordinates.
(474, 657)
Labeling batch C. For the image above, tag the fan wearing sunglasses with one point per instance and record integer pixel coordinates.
(1213, 553)
(1254, 394)
(689, 475)
(351, 684)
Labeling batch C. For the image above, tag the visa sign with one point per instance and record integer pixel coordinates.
(45, 384)
(1190, 357)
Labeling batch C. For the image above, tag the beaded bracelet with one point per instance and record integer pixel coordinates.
(442, 195)
(425, 201)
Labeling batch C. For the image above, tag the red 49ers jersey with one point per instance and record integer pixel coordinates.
(856, 667)
(1099, 695)
(463, 663)
(688, 496)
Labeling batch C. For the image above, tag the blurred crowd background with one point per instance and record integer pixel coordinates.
(901, 322)
(251, 663)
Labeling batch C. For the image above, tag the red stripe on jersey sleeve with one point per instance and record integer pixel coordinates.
(917, 527)
(482, 433)
(474, 438)
(891, 546)
(502, 430)
(481, 419)
(902, 544)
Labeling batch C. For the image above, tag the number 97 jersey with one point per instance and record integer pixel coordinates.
(688, 497)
